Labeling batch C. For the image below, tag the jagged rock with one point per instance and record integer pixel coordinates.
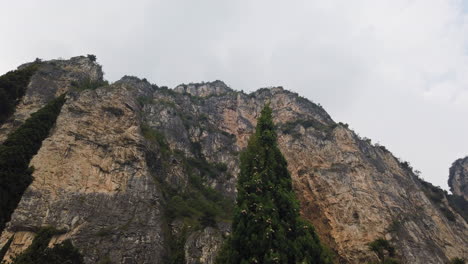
(101, 180)
(458, 179)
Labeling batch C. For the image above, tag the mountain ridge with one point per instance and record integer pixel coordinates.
(118, 151)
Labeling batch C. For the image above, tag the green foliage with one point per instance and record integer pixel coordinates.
(459, 204)
(107, 231)
(114, 110)
(39, 252)
(88, 84)
(92, 57)
(197, 205)
(17, 151)
(13, 85)
(437, 196)
(266, 226)
(384, 251)
(457, 261)
(211, 170)
(143, 100)
(176, 247)
(105, 260)
(155, 137)
(290, 127)
(5, 247)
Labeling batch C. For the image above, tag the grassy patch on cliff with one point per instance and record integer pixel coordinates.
(291, 126)
(16, 152)
(155, 137)
(194, 205)
(197, 205)
(13, 86)
(88, 84)
(437, 197)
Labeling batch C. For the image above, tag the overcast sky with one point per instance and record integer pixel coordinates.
(395, 70)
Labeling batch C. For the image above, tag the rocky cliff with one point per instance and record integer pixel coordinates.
(136, 173)
(458, 179)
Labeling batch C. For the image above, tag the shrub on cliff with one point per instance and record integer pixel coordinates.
(457, 261)
(384, 251)
(17, 151)
(266, 226)
(39, 252)
(12, 87)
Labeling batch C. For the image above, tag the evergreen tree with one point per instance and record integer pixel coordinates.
(266, 226)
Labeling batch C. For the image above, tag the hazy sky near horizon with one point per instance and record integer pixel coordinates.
(395, 70)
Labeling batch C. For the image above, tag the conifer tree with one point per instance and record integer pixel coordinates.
(266, 226)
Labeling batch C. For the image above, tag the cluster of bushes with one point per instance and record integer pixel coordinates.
(384, 251)
(88, 84)
(198, 204)
(144, 100)
(12, 88)
(290, 127)
(212, 170)
(437, 195)
(155, 137)
(457, 261)
(16, 152)
(39, 252)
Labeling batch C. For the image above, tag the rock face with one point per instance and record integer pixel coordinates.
(52, 79)
(100, 177)
(458, 179)
(201, 246)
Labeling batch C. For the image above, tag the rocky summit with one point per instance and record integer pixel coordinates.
(137, 173)
(458, 179)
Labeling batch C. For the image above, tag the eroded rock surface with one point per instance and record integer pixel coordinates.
(98, 177)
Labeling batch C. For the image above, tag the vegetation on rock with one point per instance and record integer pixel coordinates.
(13, 85)
(16, 152)
(384, 251)
(39, 251)
(457, 261)
(438, 196)
(88, 84)
(267, 227)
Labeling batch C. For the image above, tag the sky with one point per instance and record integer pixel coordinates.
(395, 70)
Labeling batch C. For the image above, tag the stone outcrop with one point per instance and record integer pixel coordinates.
(103, 181)
(204, 89)
(52, 79)
(458, 179)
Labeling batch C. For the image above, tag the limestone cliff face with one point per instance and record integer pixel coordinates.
(52, 79)
(102, 179)
(458, 179)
